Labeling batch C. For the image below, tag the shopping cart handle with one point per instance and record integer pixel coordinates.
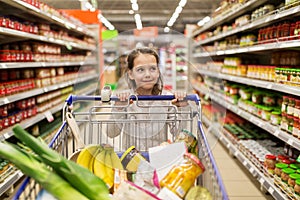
(190, 97)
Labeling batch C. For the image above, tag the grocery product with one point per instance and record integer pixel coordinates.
(198, 192)
(182, 176)
(79, 177)
(270, 162)
(131, 159)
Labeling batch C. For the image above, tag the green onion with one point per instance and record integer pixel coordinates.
(79, 177)
(50, 181)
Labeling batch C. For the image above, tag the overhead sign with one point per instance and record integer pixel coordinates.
(151, 31)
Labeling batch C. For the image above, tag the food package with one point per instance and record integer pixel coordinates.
(129, 191)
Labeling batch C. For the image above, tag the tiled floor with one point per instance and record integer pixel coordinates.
(239, 183)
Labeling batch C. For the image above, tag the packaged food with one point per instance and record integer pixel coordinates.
(270, 162)
(189, 139)
(285, 174)
(297, 187)
(131, 159)
(183, 175)
(276, 117)
(292, 179)
(279, 167)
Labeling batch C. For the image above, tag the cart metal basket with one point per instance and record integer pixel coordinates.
(152, 113)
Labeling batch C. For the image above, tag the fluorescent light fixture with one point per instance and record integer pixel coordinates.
(178, 9)
(166, 29)
(182, 3)
(135, 7)
(203, 21)
(105, 22)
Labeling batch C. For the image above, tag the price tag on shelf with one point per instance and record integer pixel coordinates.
(262, 181)
(3, 65)
(5, 100)
(290, 142)
(276, 133)
(49, 116)
(245, 163)
(271, 190)
(251, 170)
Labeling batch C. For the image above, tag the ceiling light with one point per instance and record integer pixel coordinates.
(182, 3)
(135, 6)
(203, 21)
(166, 29)
(178, 9)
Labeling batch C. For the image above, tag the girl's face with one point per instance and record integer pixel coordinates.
(145, 73)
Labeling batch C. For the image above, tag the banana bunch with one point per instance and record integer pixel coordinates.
(101, 160)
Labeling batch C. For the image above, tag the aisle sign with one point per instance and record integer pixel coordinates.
(151, 31)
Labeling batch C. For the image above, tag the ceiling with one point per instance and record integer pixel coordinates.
(153, 12)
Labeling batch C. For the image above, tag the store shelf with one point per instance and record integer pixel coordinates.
(263, 21)
(265, 182)
(7, 133)
(255, 48)
(9, 181)
(253, 82)
(21, 5)
(14, 65)
(21, 34)
(272, 129)
(234, 12)
(38, 91)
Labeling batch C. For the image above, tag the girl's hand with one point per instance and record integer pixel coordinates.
(179, 99)
(123, 97)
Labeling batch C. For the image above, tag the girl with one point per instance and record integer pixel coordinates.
(144, 78)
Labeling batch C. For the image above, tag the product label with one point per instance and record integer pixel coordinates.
(296, 112)
(180, 191)
(290, 110)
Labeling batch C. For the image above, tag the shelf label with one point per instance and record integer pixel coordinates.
(49, 116)
(271, 190)
(3, 65)
(290, 142)
(262, 181)
(245, 163)
(251, 170)
(276, 133)
(5, 100)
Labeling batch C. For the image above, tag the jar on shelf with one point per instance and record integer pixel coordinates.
(284, 105)
(292, 179)
(257, 97)
(296, 127)
(290, 120)
(279, 167)
(290, 106)
(275, 117)
(297, 108)
(183, 175)
(270, 162)
(285, 174)
(284, 122)
(266, 113)
(297, 187)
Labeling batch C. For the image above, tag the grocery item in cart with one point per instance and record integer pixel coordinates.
(182, 176)
(131, 159)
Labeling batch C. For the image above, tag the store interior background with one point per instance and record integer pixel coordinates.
(229, 65)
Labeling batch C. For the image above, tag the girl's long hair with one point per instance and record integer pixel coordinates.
(158, 87)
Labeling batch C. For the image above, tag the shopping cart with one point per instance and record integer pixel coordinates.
(95, 126)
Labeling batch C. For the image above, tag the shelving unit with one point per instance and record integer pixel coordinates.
(67, 34)
(265, 181)
(259, 49)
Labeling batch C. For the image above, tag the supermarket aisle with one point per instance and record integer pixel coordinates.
(239, 183)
